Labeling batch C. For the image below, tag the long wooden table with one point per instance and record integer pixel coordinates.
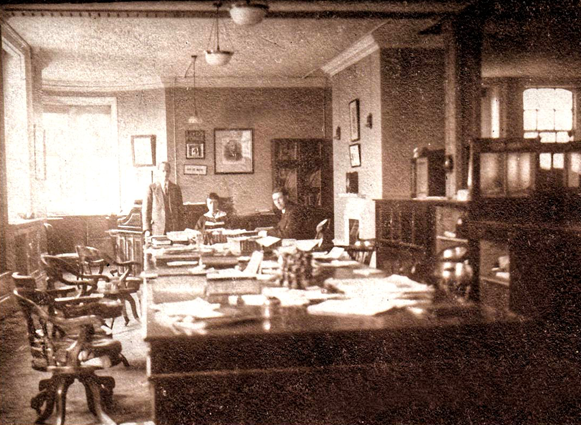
(292, 367)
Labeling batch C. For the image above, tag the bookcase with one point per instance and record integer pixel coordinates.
(524, 227)
(305, 168)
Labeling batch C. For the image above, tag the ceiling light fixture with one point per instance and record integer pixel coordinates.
(215, 56)
(194, 118)
(248, 12)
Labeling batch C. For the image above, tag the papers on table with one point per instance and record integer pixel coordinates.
(308, 244)
(358, 306)
(267, 241)
(370, 296)
(367, 271)
(394, 285)
(176, 250)
(335, 254)
(182, 263)
(297, 297)
(197, 308)
(249, 272)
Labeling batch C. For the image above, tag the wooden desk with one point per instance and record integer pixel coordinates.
(293, 367)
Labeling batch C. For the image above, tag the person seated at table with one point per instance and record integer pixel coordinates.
(295, 219)
(214, 218)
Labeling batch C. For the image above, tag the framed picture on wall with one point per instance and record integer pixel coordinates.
(143, 148)
(355, 155)
(198, 139)
(196, 150)
(233, 151)
(354, 119)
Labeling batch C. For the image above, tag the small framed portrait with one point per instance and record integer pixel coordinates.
(233, 151)
(354, 119)
(196, 150)
(355, 155)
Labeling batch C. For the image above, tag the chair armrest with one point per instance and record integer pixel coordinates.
(79, 300)
(127, 263)
(97, 305)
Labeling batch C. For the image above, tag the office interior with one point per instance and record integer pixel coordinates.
(391, 108)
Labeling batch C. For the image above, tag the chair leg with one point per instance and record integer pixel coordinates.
(124, 311)
(46, 396)
(93, 391)
(131, 302)
(63, 382)
(106, 385)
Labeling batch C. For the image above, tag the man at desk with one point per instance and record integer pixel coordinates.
(214, 218)
(162, 205)
(294, 222)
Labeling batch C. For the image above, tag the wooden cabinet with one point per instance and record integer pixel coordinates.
(26, 241)
(304, 167)
(129, 247)
(524, 231)
(410, 231)
(404, 233)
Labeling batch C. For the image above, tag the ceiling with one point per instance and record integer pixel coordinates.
(146, 43)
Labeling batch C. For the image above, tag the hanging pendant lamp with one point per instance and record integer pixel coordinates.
(194, 118)
(248, 12)
(215, 56)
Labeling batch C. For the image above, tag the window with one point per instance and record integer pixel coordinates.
(82, 166)
(548, 114)
(16, 130)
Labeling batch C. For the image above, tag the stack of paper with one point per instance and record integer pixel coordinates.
(394, 285)
(249, 272)
(197, 308)
(297, 297)
(358, 306)
(370, 296)
(335, 254)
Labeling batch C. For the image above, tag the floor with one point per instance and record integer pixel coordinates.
(19, 382)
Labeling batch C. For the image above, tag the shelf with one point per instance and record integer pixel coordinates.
(496, 280)
(450, 239)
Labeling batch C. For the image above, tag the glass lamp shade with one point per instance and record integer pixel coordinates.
(218, 57)
(246, 13)
(195, 119)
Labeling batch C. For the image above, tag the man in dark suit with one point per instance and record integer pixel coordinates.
(294, 222)
(162, 205)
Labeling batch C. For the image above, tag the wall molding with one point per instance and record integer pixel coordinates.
(166, 82)
(351, 56)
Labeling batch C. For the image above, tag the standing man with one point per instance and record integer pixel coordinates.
(295, 220)
(162, 205)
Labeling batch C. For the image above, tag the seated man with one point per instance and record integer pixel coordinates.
(214, 218)
(294, 222)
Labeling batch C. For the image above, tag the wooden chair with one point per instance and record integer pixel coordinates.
(91, 259)
(61, 270)
(70, 347)
(66, 272)
(124, 283)
(363, 251)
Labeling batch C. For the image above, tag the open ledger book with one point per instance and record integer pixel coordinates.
(249, 272)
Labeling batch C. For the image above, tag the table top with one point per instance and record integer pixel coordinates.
(275, 320)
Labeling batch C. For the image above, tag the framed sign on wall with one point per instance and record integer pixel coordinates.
(196, 170)
(233, 151)
(355, 155)
(143, 148)
(354, 119)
